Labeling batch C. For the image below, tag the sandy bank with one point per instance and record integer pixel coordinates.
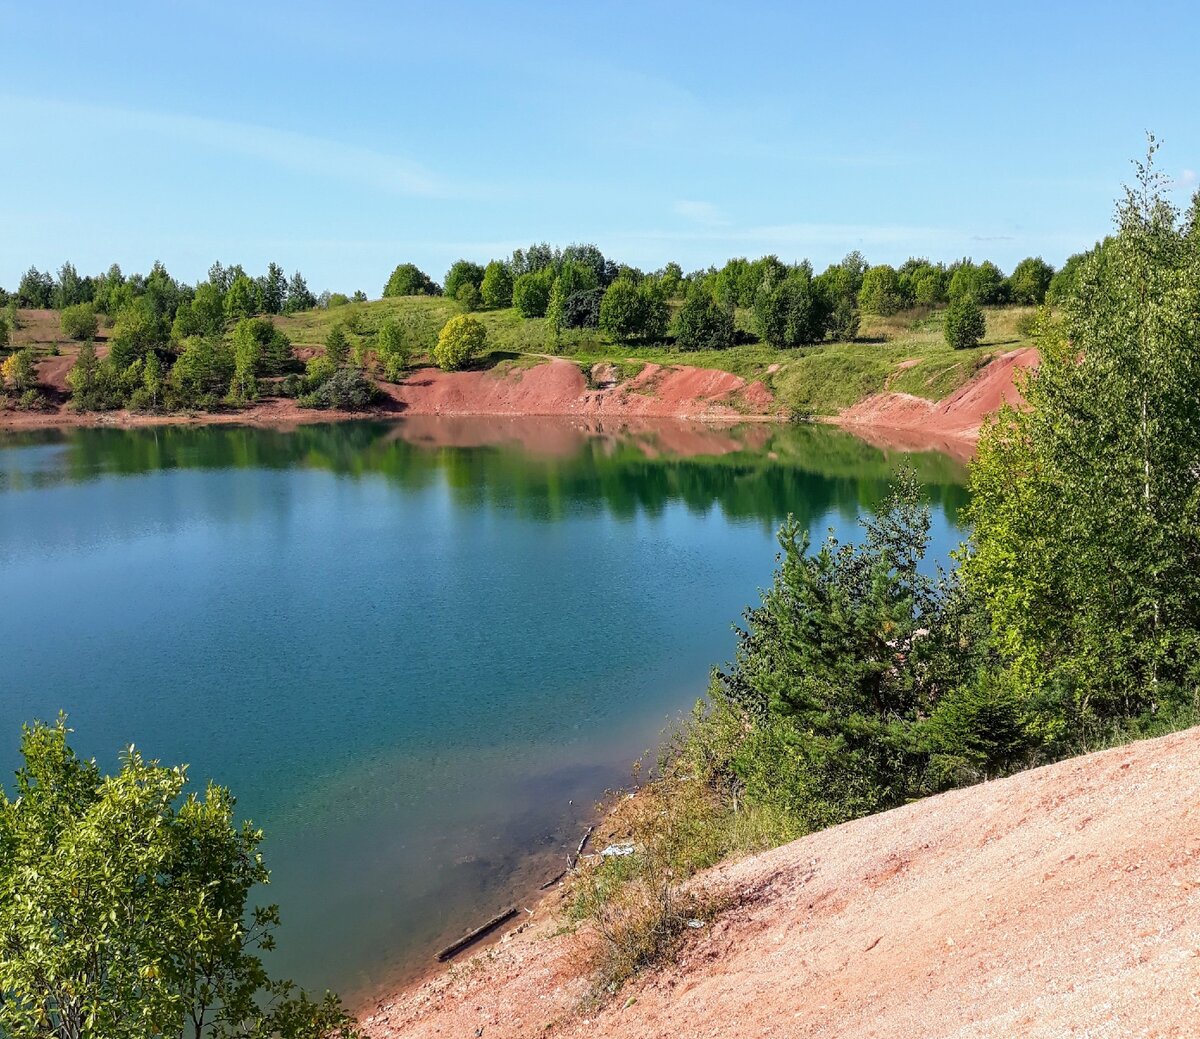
(1063, 901)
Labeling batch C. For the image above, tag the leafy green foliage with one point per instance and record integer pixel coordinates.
(629, 311)
(124, 908)
(463, 272)
(880, 293)
(460, 340)
(343, 389)
(409, 280)
(18, 370)
(703, 324)
(393, 348)
(838, 669)
(1029, 281)
(788, 310)
(79, 321)
(964, 324)
(531, 292)
(497, 285)
(1086, 543)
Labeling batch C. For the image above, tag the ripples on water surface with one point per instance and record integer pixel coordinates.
(406, 647)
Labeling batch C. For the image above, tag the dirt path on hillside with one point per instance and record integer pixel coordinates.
(1064, 901)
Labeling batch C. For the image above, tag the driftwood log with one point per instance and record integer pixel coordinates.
(454, 948)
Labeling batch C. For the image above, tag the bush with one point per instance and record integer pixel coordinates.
(631, 311)
(964, 324)
(79, 321)
(461, 340)
(531, 292)
(32, 400)
(409, 280)
(337, 299)
(393, 349)
(468, 296)
(582, 309)
(703, 324)
(19, 370)
(345, 389)
(317, 370)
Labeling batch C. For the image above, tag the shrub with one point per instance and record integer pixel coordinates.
(964, 324)
(409, 280)
(631, 311)
(79, 321)
(32, 400)
(345, 389)
(468, 296)
(393, 349)
(582, 309)
(317, 370)
(461, 340)
(19, 371)
(337, 299)
(703, 324)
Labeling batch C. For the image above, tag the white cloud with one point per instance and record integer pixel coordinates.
(1186, 179)
(305, 153)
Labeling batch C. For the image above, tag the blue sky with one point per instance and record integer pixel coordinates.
(345, 138)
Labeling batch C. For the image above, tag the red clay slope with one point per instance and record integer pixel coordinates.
(559, 387)
(1064, 901)
(958, 415)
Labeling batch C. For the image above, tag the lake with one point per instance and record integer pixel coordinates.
(419, 652)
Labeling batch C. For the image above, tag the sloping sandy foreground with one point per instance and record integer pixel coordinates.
(1061, 902)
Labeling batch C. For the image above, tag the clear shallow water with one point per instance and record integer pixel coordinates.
(406, 647)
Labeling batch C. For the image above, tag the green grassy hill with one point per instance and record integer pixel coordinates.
(905, 353)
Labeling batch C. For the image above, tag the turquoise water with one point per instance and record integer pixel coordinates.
(407, 647)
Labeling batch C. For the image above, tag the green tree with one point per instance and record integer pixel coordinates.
(531, 292)
(788, 310)
(274, 289)
(1086, 545)
(298, 296)
(497, 285)
(337, 346)
(468, 296)
(5, 334)
(19, 370)
(984, 282)
(394, 349)
(79, 321)
(841, 664)
(621, 314)
(703, 324)
(241, 301)
(463, 272)
(124, 908)
(880, 292)
(409, 280)
(202, 371)
(134, 331)
(964, 324)
(461, 340)
(1029, 281)
(152, 378)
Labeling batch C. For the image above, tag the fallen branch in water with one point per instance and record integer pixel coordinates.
(454, 948)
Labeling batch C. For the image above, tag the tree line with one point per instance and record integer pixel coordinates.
(578, 287)
(175, 346)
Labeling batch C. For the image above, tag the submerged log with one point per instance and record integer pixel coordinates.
(454, 948)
